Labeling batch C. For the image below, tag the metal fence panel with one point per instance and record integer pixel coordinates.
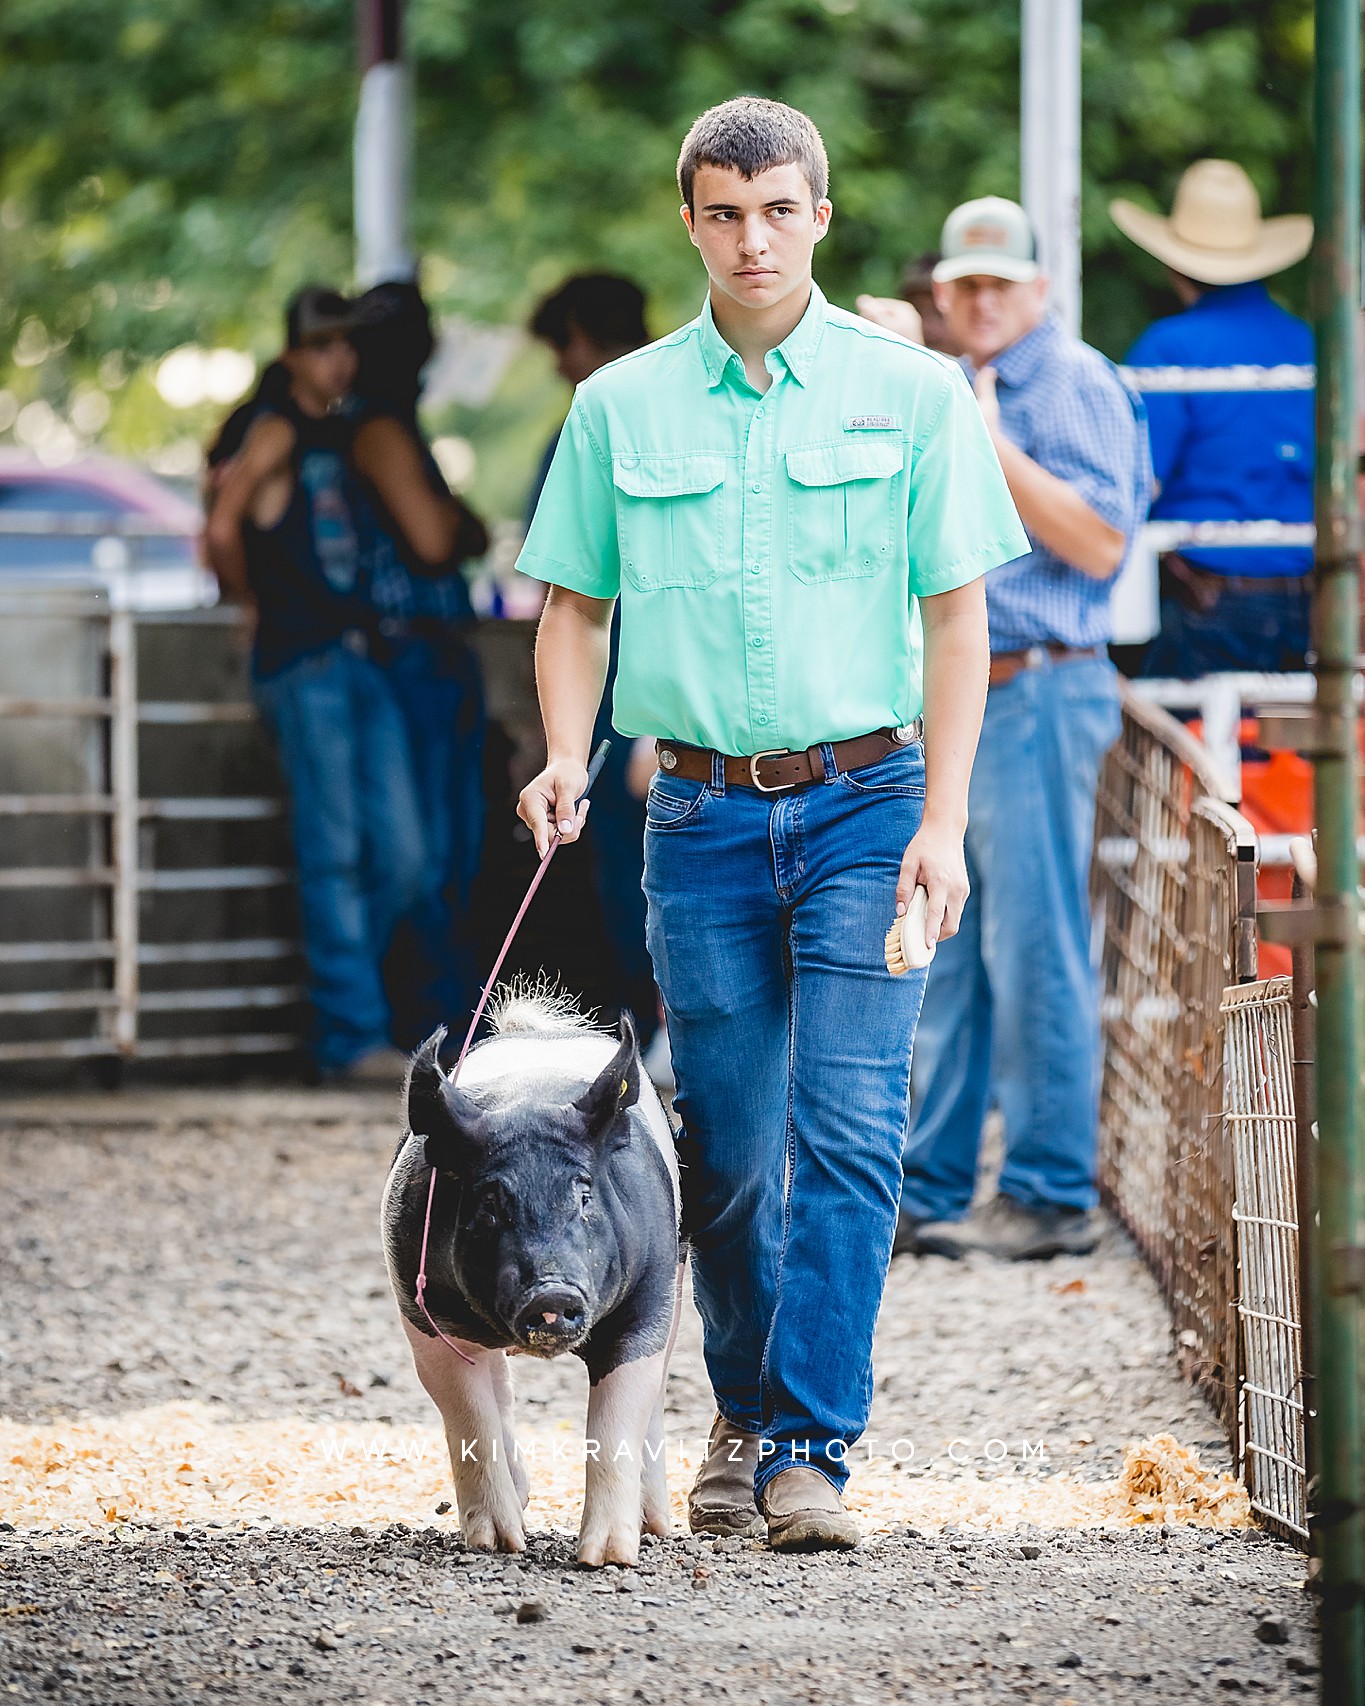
(1173, 886)
(1259, 1113)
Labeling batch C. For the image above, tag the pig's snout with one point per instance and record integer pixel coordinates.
(552, 1319)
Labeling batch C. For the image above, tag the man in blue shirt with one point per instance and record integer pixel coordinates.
(1227, 454)
(1010, 1012)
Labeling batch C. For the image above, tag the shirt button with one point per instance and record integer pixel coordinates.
(757, 642)
(630, 461)
(760, 718)
(756, 487)
(755, 568)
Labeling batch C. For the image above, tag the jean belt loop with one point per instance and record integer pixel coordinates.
(830, 763)
(718, 773)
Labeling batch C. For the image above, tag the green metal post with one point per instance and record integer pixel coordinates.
(1338, 1277)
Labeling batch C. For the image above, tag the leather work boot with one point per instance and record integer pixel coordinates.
(806, 1514)
(722, 1496)
(907, 1240)
(1014, 1232)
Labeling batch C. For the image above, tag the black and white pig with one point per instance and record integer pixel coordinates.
(554, 1228)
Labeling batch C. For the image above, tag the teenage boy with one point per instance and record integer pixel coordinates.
(794, 508)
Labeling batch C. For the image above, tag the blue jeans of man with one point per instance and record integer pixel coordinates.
(791, 1044)
(1011, 1011)
(1244, 630)
(357, 836)
(439, 690)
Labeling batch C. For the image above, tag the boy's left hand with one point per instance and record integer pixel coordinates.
(936, 861)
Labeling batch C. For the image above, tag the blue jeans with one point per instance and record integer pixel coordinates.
(791, 1044)
(357, 837)
(1261, 631)
(1011, 1013)
(433, 976)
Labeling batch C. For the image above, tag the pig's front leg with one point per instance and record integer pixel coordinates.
(656, 1516)
(501, 1367)
(485, 1493)
(619, 1409)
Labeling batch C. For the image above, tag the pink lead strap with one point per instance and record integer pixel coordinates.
(594, 769)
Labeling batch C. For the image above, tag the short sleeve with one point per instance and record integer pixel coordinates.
(1092, 437)
(572, 538)
(962, 517)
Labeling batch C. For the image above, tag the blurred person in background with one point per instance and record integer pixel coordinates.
(281, 536)
(1011, 1010)
(923, 323)
(589, 320)
(1227, 455)
(414, 535)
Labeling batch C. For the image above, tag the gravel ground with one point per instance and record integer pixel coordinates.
(221, 1248)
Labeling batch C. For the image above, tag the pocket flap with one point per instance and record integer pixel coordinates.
(834, 464)
(667, 476)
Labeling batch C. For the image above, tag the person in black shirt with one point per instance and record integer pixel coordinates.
(282, 537)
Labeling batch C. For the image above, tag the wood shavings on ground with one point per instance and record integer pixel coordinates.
(178, 1465)
(1164, 1481)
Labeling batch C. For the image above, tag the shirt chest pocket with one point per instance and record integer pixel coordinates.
(845, 509)
(670, 518)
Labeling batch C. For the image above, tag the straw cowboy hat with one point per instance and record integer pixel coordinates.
(1215, 233)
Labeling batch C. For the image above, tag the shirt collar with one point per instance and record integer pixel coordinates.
(1017, 365)
(1229, 295)
(797, 350)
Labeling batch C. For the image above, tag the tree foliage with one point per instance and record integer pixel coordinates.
(169, 169)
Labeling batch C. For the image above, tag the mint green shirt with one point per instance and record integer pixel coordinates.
(769, 551)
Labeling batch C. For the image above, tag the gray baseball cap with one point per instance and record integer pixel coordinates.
(990, 236)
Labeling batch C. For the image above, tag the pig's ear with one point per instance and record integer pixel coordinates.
(451, 1122)
(616, 1087)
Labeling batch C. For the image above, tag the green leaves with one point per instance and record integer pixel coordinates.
(170, 169)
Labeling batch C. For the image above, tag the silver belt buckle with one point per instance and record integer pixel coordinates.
(772, 752)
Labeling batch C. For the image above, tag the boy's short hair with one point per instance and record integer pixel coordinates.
(608, 310)
(750, 135)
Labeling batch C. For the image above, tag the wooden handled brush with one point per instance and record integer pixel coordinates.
(906, 949)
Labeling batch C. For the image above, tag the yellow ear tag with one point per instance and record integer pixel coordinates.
(625, 1085)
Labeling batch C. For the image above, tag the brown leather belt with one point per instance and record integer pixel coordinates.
(780, 771)
(1006, 665)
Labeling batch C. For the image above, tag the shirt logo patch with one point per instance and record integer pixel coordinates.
(865, 423)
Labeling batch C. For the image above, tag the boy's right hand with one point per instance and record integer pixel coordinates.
(547, 803)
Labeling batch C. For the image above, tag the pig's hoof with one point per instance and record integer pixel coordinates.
(595, 1550)
(483, 1534)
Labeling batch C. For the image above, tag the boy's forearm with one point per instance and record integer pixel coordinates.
(572, 651)
(956, 667)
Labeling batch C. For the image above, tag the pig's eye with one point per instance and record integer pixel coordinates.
(584, 1196)
(487, 1211)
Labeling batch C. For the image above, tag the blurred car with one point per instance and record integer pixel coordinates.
(100, 523)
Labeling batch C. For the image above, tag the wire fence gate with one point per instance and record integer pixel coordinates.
(1197, 1123)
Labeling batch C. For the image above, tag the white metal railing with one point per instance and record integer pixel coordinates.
(1285, 376)
(124, 874)
(1221, 702)
(1134, 602)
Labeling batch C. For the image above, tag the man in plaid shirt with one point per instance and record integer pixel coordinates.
(1010, 1015)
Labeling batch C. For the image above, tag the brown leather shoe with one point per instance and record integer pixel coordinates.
(806, 1514)
(722, 1496)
